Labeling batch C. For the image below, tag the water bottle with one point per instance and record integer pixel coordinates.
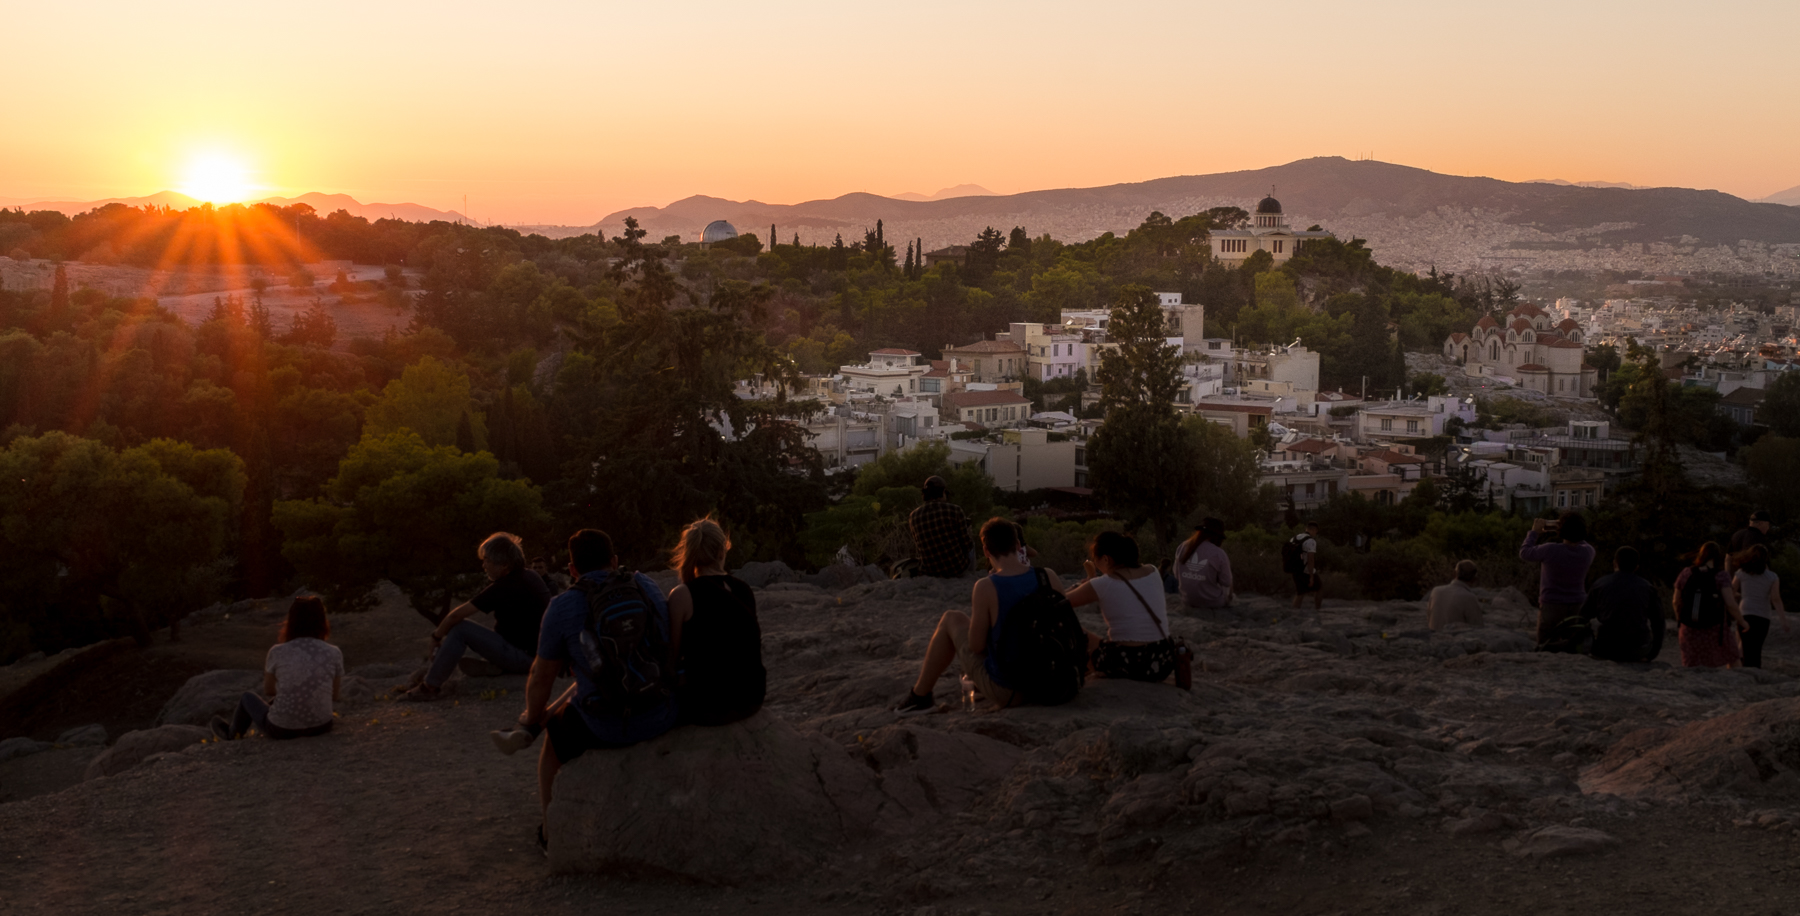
(967, 692)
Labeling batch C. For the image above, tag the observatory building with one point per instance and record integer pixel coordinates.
(1268, 232)
(717, 231)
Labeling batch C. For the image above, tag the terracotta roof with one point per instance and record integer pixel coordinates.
(894, 351)
(1487, 321)
(1744, 397)
(1533, 367)
(1309, 446)
(960, 399)
(1459, 337)
(1519, 324)
(1569, 324)
(988, 346)
(1528, 310)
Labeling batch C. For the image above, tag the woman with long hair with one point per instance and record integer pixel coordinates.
(1708, 611)
(1137, 644)
(717, 642)
(301, 677)
(1758, 592)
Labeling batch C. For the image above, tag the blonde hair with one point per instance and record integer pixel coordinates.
(702, 543)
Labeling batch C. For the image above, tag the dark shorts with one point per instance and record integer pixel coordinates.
(570, 736)
(1306, 582)
(1152, 662)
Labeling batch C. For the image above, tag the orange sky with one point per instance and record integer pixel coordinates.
(561, 112)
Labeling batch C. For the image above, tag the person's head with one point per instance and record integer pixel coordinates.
(540, 566)
(1312, 528)
(1573, 527)
(703, 545)
(935, 488)
(1760, 520)
(1213, 529)
(306, 618)
(590, 550)
(1626, 559)
(1465, 571)
(1000, 538)
(501, 554)
(1114, 550)
(1711, 554)
(1755, 560)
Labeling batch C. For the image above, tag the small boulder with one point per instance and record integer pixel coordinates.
(21, 747)
(82, 736)
(133, 747)
(759, 574)
(1353, 808)
(214, 693)
(1753, 751)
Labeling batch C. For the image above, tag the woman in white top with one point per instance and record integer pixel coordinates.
(1137, 644)
(1759, 598)
(302, 677)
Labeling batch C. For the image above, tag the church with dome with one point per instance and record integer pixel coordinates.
(1528, 349)
(1268, 232)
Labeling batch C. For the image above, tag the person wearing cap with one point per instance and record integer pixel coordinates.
(940, 533)
(1757, 532)
(1203, 568)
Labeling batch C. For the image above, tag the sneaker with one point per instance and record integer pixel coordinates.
(915, 705)
(221, 729)
(478, 667)
(424, 693)
(511, 741)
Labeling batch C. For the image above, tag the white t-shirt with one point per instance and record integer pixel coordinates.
(1756, 591)
(304, 669)
(1124, 613)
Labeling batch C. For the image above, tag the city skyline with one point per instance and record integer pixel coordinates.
(574, 112)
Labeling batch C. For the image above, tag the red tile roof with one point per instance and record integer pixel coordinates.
(892, 351)
(1388, 456)
(1487, 321)
(987, 346)
(1533, 367)
(961, 399)
(1459, 337)
(1308, 446)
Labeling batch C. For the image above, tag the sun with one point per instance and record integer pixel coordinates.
(216, 178)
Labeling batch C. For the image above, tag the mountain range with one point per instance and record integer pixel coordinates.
(1411, 217)
(324, 203)
(961, 190)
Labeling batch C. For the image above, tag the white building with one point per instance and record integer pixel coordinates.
(888, 373)
(1268, 232)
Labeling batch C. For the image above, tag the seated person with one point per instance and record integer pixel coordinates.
(576, 725)
(940, 532)
(1203, 568)
(1137, 644)
(1457, 601)
(718, 643)
(965, 638)
(516, 598)
(556, 582)
(1628, 610)
(302, 675)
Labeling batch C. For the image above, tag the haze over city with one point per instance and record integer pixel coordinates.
(564, 112)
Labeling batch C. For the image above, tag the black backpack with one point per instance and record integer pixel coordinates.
(1702, 603)
(623, 650)
(1293, 557)
(1042, 649)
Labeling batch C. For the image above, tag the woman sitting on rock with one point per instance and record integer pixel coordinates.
(1708, 610)
(717, 641)
(302, 677)
(1137, 644)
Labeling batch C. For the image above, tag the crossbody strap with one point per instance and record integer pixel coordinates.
(1140, 597)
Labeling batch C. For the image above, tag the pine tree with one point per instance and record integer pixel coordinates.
(465, 434)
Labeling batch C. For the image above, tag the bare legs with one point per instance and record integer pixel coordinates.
(941, 652)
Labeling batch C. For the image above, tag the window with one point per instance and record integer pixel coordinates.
(1387, 424)
(1310, 489)
(1562, 499)
(1277, 246)
(1081, 456)
(1412, 426)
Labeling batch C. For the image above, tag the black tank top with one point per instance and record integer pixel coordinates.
(723, 679)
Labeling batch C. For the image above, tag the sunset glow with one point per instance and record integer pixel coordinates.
(216, 178)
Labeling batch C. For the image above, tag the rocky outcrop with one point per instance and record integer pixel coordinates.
(760, 574)
(133, 748)
(1754, 751)
(214, 693)
(759, 799)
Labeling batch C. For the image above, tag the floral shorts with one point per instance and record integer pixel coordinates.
(1151, 662)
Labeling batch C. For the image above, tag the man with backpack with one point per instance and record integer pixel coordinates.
(1300, 557)
(612, 631)
(1021, 640)
(1628, 611)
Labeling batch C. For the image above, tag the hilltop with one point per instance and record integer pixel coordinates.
(323, 203)
(1413, 218)
(1351, 762)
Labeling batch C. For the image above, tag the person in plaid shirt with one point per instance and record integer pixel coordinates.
(940, 533)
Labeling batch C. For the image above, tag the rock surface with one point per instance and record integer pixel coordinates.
(1557, 842)
(13, 748)
(133, 747)
(214, 693)
(1754, 751)
(82, 736)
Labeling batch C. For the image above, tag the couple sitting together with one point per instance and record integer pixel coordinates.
(1020, 643)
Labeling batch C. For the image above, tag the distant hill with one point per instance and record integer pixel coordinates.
(1587, 184)
(961, 190)
(1791, 197)
(1412, 217)
(324, 203)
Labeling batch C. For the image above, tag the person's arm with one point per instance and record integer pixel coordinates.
(1082, 594)
(1222, 571)
(269, 684)
(1530, 552)
(538, 685)
(1731, 604)
(457, 615)
(984, 603)
(681, 608)
(1311, 557)
(1055, 582)
(1775, 602)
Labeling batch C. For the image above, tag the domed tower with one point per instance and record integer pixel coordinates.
(717, 231)
(1268, 213)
